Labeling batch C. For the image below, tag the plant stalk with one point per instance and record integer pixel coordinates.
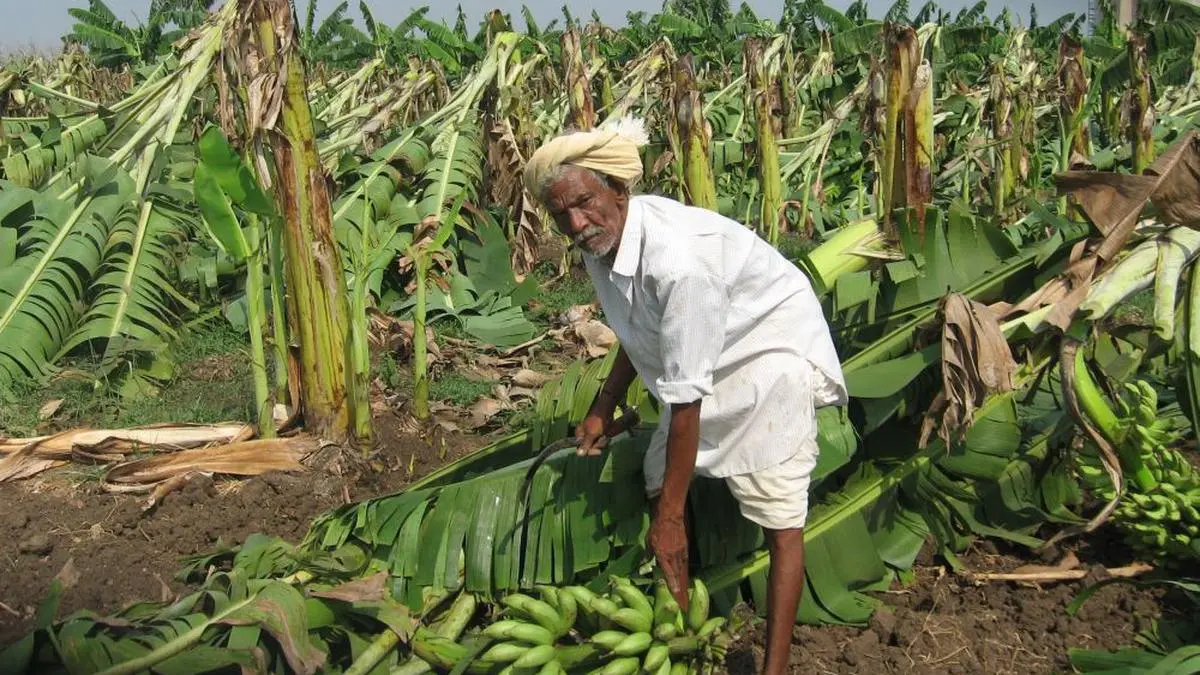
(1091, 400)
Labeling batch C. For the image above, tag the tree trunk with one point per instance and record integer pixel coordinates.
(318, 314)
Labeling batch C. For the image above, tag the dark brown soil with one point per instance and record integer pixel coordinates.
(943, 623)
(123, 553)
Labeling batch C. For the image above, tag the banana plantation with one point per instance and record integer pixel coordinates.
(1000, 217)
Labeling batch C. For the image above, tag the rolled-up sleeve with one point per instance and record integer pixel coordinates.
(695, 307)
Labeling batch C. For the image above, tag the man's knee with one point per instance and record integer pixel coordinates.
(788, 540)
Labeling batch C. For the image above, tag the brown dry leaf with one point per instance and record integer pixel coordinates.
(484, 410)
(116, 441)
(578, 313)
(247, 458)
(516, 393)
(25, 463)
(360, 590)
(1113, 201)
(976, 362)
(530, 378)
(597, 337)
(49, 408)
(68, 576)
(1066, 291)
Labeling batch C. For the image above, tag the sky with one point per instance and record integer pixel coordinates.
(39, 23)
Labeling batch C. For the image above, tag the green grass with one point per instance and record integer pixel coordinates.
(211, 384)
(458, 390)
(558, 296)
(1137, 309)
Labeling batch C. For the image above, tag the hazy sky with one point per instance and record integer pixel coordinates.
(40, 23)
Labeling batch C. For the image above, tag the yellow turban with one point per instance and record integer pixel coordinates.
(612, 150)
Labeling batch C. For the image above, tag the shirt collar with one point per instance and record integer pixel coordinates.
(629, 251)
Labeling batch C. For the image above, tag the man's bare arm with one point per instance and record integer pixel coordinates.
(591, 431)
(668, 534)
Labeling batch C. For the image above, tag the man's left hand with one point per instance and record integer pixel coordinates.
(668, 542)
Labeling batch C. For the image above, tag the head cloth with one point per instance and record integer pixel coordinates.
(611, 149)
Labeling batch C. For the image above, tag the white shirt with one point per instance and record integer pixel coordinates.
(707, 310)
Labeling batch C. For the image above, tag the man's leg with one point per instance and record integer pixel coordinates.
(784, 590)
(776, 499)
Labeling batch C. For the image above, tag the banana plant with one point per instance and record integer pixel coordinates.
(223, 181)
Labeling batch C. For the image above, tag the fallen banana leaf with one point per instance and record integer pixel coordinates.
(22, 458)
(99, 442)
(246, 458)
(24, 463)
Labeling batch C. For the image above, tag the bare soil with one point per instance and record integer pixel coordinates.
(945, 624)
(123, 553)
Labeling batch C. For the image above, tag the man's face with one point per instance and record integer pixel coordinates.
(588, 210)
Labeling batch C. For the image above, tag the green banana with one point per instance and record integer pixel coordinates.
(711, 626)
(536, 610)
(603, 606)
(632, 619)
(511, 629)
(679, 668)
(535, 657)
(552, 667)
(698, 601)
(633, 597)
(505, 652)
(622, 666)
(688, 644)
(568, 611)
(664, 631)
(657, 656)
(665, 668)
(609, 639)
(633, 644)
(549, 595)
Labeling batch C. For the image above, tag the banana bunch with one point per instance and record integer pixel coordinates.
(651, 634)
(1162, 522)
(574, 630)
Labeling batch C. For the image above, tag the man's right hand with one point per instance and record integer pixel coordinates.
(590, 432)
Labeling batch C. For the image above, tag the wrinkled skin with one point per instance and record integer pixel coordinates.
(589, 210)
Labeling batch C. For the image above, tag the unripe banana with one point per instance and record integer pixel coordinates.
(535, 657)
(504, 652)
(568, 611)
(552, 667)
(633, 620)
(665, 631)
(583, 594)
(633, 597)
(549, 595)
(634, 644)
(509, 629)
(609, 639)
(665, 668)
(623, 666)
(656, 657)
(688, 644)
(711, 626)
(535, 609)
(604, 607)
(698, 601)
(679, 668)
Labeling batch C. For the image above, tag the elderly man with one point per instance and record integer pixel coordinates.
(724, 331)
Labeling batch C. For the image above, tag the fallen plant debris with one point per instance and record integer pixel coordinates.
(245, 458)
(25, 457)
